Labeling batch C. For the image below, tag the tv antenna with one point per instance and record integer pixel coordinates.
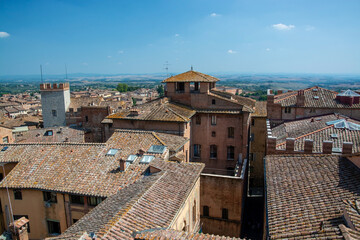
(41, 74)
(166, 67)
(66, 77)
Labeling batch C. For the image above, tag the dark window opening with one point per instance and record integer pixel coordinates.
(5, 139)
(17, 194)
(198, 120)
(287, 109)
(205, 211)
(180, 87)
(54, 113)
(225, 213)
(213, 102)
(231, 132)
(213, 151)
(53, 227)
(86, 118)
(76, 199)
(50, 197)
(213, 120)
(94, 201)
(194, 212)
(49, 133)
(252, 122)
(75, 220)
(1, 176)
(213, 134)
(197, 150)
(230, 153)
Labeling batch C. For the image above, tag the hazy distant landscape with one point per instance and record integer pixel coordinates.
(247, 82)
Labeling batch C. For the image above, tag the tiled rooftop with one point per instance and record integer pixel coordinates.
(260, 109)
(318, 130)
(178, 235)
(306, 193)
(151, 202)
(59, 134)
(191, 76)
(157, 110)
(326, 99)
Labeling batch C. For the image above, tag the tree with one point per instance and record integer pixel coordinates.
(160, 90)
(134, 101)
(122, 87)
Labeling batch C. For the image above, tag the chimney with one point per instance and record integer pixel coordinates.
(270, 96)
(19, 229)
(347, 148)
(271, 145)
(279, 91)
(290, 144)
(122, 165)
(300, 99)
(54, 85)
(308, 146)
(141, 151)
(327, 147)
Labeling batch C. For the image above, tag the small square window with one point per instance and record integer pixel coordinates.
(213, 102)
(53, 227)
(50, 197)
(17, 194)
(5, 139)
(54, 113)
(213, 134)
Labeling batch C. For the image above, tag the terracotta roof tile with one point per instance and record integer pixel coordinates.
(191, 76)
(305, 195)
(326, 99)
(59, 134)
(160, 234)
(157, 110)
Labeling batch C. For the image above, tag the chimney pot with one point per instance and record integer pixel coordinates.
(290, 144)
(347, 147)
(309, 144)
(327, 147)
(122, 164)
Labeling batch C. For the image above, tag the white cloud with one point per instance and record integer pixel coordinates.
(4, 35)
(231, 51)
(120, 52)
(177, 35)
(309, 28)
(109, 56)
(85, 64)
(268, 49)
(283, 27)
(215, 15)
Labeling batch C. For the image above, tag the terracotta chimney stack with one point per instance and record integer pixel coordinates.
(122, 165)
(347, 147)
(19, 229)
(308, 147)
(327, 147)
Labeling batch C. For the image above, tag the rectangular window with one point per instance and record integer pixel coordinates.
(231, 132)
(225, 213)
(180, 87)
(252, 122)
(54, 113)
(76, 199)
(213, 101)
(198, 120)
(17, 194)
(197, 150)
(94, 201)
(5, 139)
(50, 197)
(230, 152)
(16, 217)
(205, 211)
(53, 227)
(252, 136)
(287, 109)
(213, 151)
(213, 120)
(213, 134)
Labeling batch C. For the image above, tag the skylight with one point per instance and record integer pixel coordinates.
(131, 158)
(337, 150)
(147, 159)
(112, 152)
(4, 148)
(316, 97)
(343, 124)
(157, 149)
(334, 135)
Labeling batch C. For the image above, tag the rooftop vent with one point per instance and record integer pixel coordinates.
(147, 159)
(157, 149)
(112, 152)
(49, 133)
(337, 150)
(334, 135)
(316, 97)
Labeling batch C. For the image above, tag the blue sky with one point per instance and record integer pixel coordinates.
(133, 36)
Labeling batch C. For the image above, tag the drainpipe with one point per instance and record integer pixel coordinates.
(266, 206)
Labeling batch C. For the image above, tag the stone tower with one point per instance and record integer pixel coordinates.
(55, 101)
